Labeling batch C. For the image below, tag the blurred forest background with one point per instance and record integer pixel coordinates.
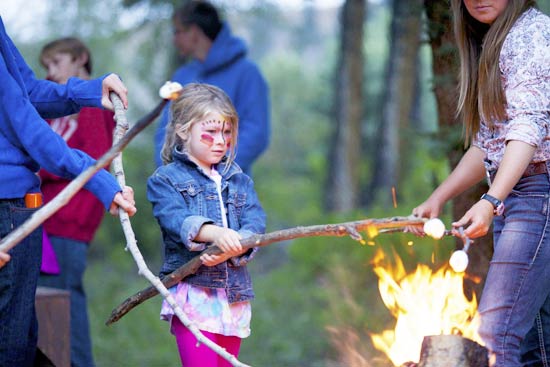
(362, 99)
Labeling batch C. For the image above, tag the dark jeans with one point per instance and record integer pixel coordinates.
(514, 304)
(18, 325)
(71, 256)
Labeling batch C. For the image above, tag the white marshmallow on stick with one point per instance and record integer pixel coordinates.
(434, 228)
(170, 90)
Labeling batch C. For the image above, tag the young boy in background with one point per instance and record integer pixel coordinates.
(69, 231)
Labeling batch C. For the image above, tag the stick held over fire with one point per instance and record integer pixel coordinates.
(341, 229)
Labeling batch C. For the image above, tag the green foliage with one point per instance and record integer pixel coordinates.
(287, 176)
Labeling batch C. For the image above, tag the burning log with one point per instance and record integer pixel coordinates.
(450, 351)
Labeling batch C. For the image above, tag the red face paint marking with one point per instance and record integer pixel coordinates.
(207, 139)
(226, 134)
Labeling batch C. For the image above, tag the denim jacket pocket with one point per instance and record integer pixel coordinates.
(235, 204)
(190, 192)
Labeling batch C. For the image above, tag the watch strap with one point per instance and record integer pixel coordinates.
(498, 205)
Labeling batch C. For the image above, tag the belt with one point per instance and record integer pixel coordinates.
(31, 200)
(535, 169)
(531, 170)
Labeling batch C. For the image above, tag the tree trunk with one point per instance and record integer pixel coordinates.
(399, 98)
(343, 175)
(445, 70)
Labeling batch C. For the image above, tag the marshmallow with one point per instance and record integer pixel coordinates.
(434, 228)
(170, 90)
(459, 261)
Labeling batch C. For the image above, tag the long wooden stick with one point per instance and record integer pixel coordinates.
(341, 229)
(40, 216)
(131, 245)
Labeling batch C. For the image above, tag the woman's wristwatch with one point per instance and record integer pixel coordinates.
(497, 204)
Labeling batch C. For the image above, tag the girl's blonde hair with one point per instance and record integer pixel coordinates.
(195, 102)
(481, 94)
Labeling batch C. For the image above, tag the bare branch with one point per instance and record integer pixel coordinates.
(341, 229)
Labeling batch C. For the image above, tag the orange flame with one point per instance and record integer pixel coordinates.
(423, 303)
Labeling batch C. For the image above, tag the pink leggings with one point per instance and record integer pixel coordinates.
(202, 356)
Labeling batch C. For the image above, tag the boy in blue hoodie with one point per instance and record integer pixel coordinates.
(26, 144)
(219, 58)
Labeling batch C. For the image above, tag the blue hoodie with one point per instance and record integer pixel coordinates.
(27, 142)
(227, 67)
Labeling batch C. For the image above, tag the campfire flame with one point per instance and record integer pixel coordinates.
(424, 303)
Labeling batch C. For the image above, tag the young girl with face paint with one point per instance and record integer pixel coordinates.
(202, 198)
(504, 48)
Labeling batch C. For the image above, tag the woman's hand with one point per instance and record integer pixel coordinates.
(125, 201)
(112, 83)
(478, 218)
(431, 208)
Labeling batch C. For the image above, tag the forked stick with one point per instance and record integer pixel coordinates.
(371, 226)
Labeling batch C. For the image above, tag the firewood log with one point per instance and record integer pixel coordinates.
(452, 351)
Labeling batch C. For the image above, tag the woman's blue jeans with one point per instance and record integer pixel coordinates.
(18, 325)
(515, 303)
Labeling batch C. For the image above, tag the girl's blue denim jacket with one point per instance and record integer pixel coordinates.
(184, 198)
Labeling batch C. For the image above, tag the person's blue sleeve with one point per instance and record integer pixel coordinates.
(160, 134)
(52, 99)
(21, 122)
(252, 104)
